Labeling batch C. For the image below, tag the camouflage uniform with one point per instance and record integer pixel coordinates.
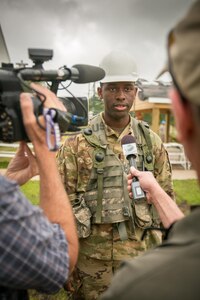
(104, 244)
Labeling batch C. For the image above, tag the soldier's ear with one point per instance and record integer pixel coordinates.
(136, 90)
(99, 91)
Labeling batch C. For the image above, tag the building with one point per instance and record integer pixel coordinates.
(153, 98)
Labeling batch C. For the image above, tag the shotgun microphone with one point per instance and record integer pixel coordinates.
(79, 73)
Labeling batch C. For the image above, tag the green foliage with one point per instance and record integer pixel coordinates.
(4, 163)
(31, 190)
(187, 191)
(62, 295)
(95, 105)
(147, 117)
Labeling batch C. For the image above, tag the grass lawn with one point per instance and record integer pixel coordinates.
(4, 162)
(34, 295)
(186, 191)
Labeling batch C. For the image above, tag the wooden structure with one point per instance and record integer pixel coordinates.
(155, 106)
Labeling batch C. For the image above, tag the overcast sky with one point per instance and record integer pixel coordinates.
(83, 31)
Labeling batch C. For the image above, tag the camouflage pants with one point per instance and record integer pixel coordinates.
(91, 278)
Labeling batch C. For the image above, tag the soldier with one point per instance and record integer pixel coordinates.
(93, 169)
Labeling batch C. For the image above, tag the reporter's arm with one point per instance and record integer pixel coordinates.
(34, 252)
(167, 209)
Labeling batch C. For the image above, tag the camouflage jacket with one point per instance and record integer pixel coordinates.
(75, 163)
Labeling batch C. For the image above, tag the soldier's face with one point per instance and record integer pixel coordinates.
(118, 98)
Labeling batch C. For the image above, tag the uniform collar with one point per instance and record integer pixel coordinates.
(110, 132)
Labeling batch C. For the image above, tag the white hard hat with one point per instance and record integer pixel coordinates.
(119, 66)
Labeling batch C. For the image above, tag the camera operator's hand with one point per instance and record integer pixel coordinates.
(23, 166)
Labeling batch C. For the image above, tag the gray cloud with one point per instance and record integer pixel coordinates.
(84, 31)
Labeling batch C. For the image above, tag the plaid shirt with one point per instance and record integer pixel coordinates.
(33, 252)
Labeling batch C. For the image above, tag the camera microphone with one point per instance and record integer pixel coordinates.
(129, 148)
(79, 73)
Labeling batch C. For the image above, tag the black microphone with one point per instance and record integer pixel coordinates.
(129, 148)
(88, 73)
(78, 74)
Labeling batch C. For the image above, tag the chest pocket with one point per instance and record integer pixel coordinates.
(140, 158)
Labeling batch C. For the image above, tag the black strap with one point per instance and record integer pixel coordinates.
(165, 230)
(12, 294)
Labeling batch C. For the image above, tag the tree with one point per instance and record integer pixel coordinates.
(95, 104)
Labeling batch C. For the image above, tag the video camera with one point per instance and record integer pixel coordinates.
(14, 81)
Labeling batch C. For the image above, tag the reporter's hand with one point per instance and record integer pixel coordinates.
(23, 166)
(147, 182)
(167, 209)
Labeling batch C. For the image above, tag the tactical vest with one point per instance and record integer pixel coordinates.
(106, 193)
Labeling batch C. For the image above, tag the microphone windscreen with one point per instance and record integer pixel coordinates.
(88, 73)
(129, 146)
(128, 139)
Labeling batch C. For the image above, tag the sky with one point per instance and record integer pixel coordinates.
(84, 31)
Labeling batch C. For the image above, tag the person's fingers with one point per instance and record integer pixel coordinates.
(27, 150)
(134, 171)
(130, 194)
(130, 181)
(51, 99)
(27, 108)
(21, 147)
(43, 90)
(129, 176)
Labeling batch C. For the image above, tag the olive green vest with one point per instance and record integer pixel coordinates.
(106, 194)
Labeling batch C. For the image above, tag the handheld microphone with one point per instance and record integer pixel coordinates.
(129, 148)
(78, 73)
